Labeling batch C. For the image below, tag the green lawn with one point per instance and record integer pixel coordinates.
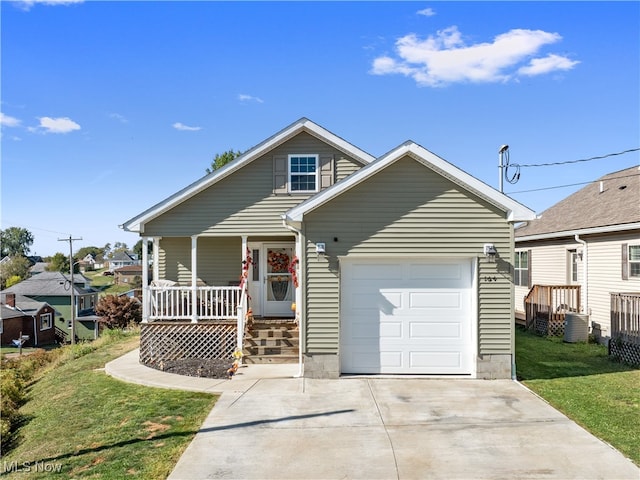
(81, 423)
(105, 284)
(581, 381)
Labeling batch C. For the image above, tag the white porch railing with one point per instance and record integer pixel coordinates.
(187, 303)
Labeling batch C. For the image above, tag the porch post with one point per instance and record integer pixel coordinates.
(156, 258)
(194, 279)
(242, 308)
(146, 294)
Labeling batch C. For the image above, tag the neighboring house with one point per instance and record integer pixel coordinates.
(55, 289)
(400, 264)
(25, 316)
(127, 275)
(122, 259)
(590, 240)
(87, 263)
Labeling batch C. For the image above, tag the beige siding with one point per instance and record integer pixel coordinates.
(244, 202)
(219, 260)
(605, 276)
(407, 210)
(549, 266)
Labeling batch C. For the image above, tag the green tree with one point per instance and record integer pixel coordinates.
(221, 159)
(137, 248)
(118, 312)
(15, 241)
(60, 263)
(97, 252)
(14, 271)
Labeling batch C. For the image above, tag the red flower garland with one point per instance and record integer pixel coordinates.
(293, 271)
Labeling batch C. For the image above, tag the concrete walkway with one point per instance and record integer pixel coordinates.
(269, 425)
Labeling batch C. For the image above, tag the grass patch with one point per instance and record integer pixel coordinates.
(105, 284)
(79, 422)
(581, 381)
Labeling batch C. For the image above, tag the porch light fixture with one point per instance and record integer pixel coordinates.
(321, 248)
(490, 252)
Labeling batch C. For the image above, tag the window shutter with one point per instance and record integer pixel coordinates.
(625, 261)
(280, 174)
(326, 171)
(529, 284)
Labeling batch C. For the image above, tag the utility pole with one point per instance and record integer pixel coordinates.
(73, 297)
(501, 152)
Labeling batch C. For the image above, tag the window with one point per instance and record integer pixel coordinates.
(634, 261)
(574, 257)
(521, 269)
(46, 321)
(303, 173)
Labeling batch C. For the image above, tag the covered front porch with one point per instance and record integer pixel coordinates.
(202, 294)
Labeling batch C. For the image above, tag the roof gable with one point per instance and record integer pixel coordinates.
(611, 203)
(136, 224)
(514, 210)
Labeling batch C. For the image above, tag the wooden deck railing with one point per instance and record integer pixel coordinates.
(625, 316)
(625, 327)
(546, 306)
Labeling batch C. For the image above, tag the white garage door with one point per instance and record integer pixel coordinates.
(406, 316)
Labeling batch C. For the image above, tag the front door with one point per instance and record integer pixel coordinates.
(270, 285)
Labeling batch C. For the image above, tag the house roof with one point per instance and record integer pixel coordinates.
(24, 306)
(515, 211)
(612, 203)
(122, 256)
(136, 224)
(47, 284)
(129, 269)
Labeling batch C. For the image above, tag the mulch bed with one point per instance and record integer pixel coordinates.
(196, 367)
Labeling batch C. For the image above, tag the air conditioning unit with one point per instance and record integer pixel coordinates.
(576, 327)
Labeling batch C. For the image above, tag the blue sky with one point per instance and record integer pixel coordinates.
(110, 107)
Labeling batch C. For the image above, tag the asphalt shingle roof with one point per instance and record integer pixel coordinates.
(46, 284)
(618, 203)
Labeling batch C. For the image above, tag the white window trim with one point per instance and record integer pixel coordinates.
(316, 175)
(50, 323)
(630, 262)
(518, 271)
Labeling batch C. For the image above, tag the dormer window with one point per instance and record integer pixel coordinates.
(303, 173)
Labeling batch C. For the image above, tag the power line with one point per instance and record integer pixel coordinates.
(573, 184)
(578, 161)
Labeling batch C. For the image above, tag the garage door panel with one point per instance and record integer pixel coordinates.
(440, 360)
(434, 299)
(406, 316)
(439, 271)
(434, 331)
(376, 271)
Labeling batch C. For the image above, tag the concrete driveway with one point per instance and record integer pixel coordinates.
(387, 428)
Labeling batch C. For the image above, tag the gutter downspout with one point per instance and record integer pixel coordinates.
(585, 274)
(35, 325)
(298, 235)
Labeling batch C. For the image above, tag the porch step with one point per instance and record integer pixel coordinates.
(271, 341)
(274, 359)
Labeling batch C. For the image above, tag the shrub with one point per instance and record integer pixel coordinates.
(118, 312)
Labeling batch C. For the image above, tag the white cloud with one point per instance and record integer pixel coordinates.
(183, 127)
(56, 125)
(27, 4)
(550, 63)
(249, 98)
(120, 118)
(445, 58)
(7, 121)
(427, 12)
